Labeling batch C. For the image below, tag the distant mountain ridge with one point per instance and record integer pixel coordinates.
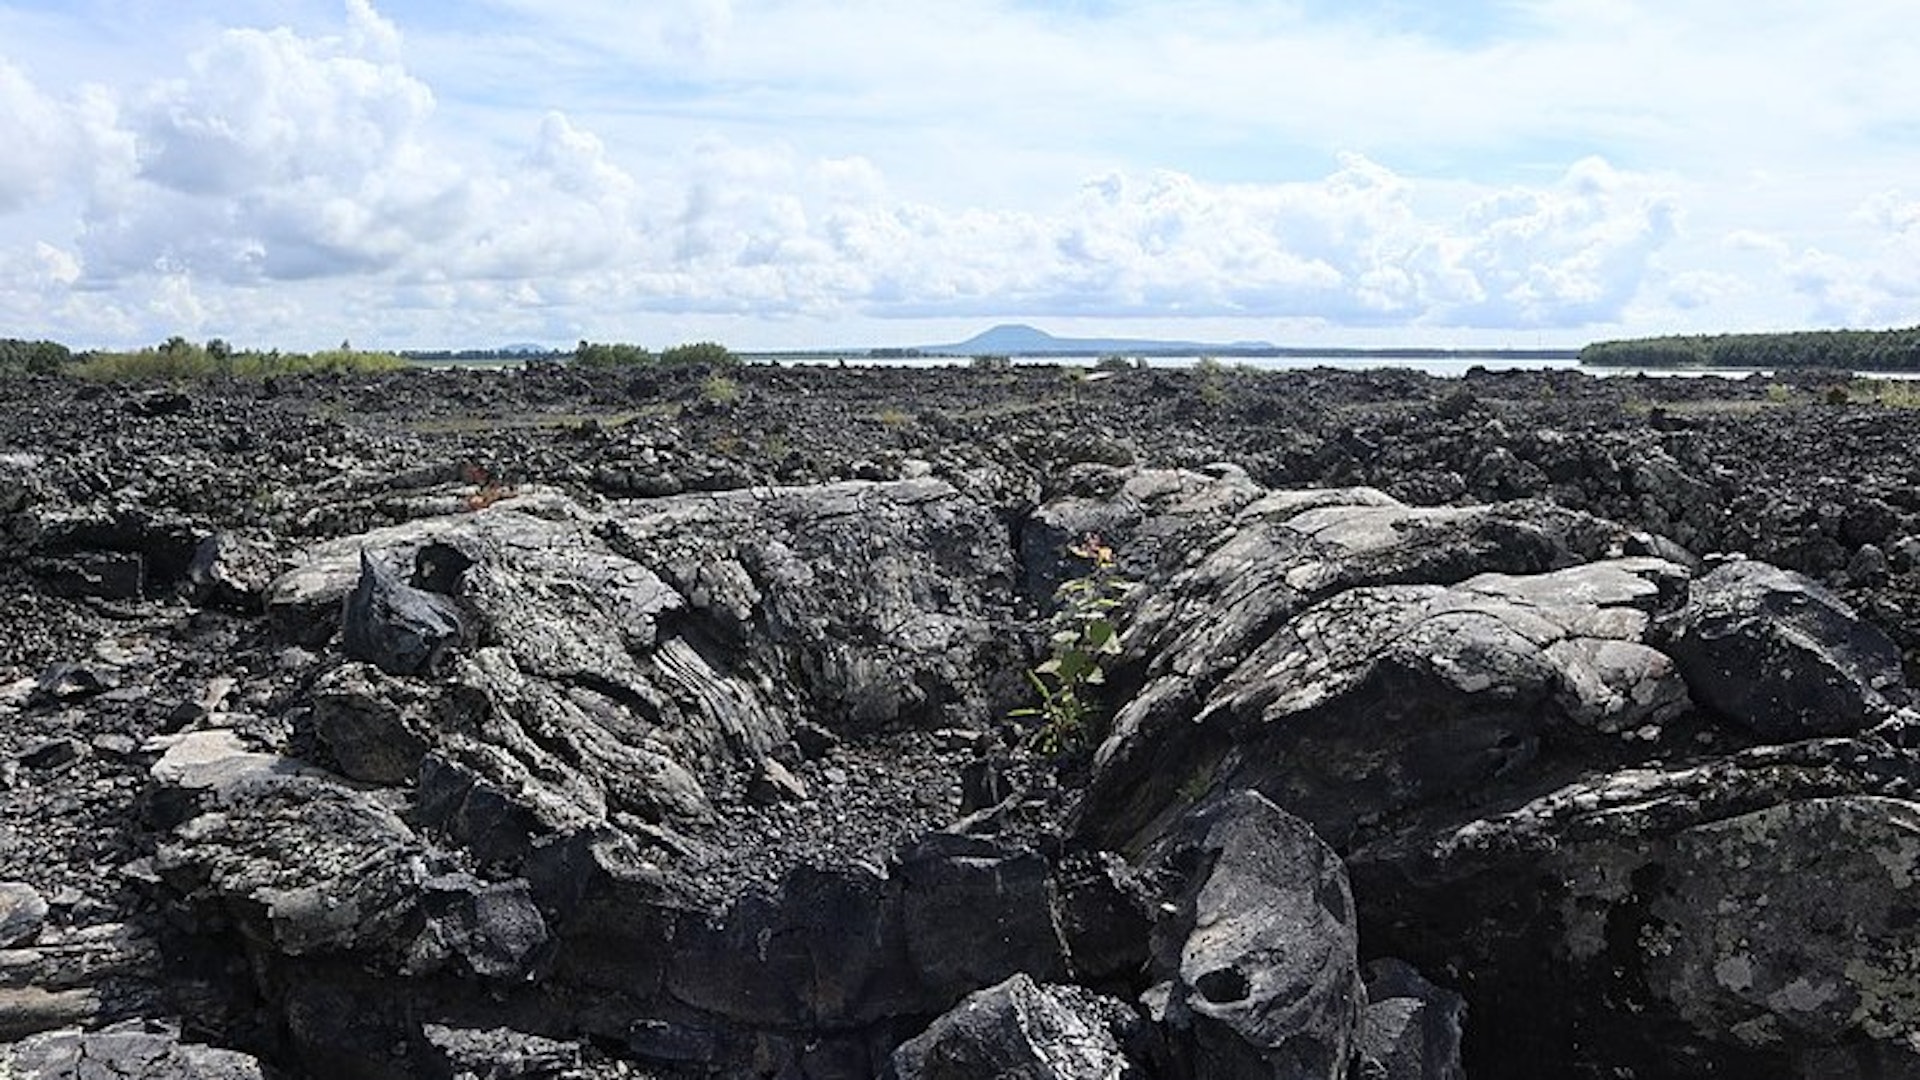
(1018, 339)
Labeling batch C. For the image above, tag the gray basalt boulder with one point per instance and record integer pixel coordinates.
(377, 726)
(1017, 1030)
(976, 912)
(1753, 908)
(123, 1052)
(1777, 654)
(400, 629)
(1383, 697)
(1254, 965)
(1411, 1029)
(232, 572)
(22, 913)
(623, 650)
(827, 950)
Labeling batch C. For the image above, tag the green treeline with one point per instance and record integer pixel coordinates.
(1855, 350)
(178, 359)
(33, 357)
(693, 354)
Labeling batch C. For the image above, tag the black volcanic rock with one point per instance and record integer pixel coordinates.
(1427, 685)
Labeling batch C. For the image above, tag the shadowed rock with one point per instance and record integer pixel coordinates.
(1777, 654)
(396, 627)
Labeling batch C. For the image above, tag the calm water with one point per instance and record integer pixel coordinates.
(1445, 367)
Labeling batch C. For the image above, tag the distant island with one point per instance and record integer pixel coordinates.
(1851, 350)
(1016, 339)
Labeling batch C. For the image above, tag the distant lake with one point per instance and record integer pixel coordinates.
(1451, 366)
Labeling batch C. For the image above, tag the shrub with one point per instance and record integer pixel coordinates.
(33, 357)
(1210, 375)
(720, 390)
(699, 354)
(590, 355)
(179, 360)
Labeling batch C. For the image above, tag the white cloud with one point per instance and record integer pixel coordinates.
(575, 163)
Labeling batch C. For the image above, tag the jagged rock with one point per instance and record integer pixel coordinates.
(87, 976)
(377, 726)
(64, 682)
(1102, 911)
(494, 929)
(498, 1054)
(775, 783)
(396, 627)
(976, 912)
(53, 753)
(301, 860)
(1744, 936)
(1777, 654)
(1016, 1030)
(109, 575)
(123, 1052)
(232, 572)
(828, 949)
(813, 741)
(1388, 696)
(22, 912)
(1254, 954)
(1679, 917)
(1411, 1028)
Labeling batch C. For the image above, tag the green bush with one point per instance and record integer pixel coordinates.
(591, 355)
(33, 357)
(179, 360)
(720, 390)
(699, 354)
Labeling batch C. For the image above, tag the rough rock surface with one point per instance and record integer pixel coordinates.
(122, 1053)
(1254, 959)
(554, 723)
(1017, 1030)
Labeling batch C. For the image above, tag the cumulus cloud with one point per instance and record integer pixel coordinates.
(276, 157)
(1353, 247)
(1876, 286)
(278, 171)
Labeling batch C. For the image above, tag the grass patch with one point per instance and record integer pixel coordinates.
(1891, 393)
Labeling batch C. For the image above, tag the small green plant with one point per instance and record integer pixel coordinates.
(1779, 393)
(894, 417)
(1085, 638)
(1210, 375)
(991, 362)
(719, 390)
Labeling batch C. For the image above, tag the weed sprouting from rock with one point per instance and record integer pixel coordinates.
(1085, 638)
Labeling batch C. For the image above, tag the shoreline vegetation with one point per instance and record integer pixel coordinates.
(177, 359)
(1853, 350)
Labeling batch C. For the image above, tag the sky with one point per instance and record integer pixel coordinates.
(788, 174)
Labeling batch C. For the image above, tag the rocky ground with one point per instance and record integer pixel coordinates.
(555, 723)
